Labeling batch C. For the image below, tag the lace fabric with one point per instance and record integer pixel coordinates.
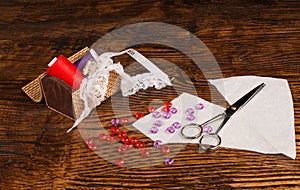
(94, 87)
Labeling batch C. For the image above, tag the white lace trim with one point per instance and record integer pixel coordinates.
(93, 88)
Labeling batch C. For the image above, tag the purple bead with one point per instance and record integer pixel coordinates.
(189, 111)
(156, 114)
(199, 106)
(157, 144)
(176, 125)
(207, 129)
(169, 161)
(154, 130)
(167, 115)
(115, 121)
(170, 130)
(158, 123)
(190, 117)
(173, 110)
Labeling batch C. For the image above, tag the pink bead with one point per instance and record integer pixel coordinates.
(169, 161)
(190, 117)
(157, 144)
(173, 110)
(176, 125)
(170, 130)
(158, 123)
(154, 130)
(122, 149)
(199, 106)
(156, 114)
(167, 115)
(103, 137)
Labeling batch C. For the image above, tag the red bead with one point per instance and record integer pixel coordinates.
(151, 109)
(89, 141)
(103, 137)
(168, 105)
(144, 152)
(165, 109)
(134, 140)
(129, 146)
(122, 134)
(125, 141)
(139, 115)
(91, 144)
(122, 149)
(115, 130)
(120, 162)
(123, 120)
(165, 150)
(139, 144)
(111, 138)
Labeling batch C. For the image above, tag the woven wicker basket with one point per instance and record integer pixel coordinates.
(72, 104)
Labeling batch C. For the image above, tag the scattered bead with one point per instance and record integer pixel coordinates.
(139, 144)
(190, 117)
(158, 123)
(123, 120)
(144, 152)
(169, 161)
(129, 146)
(115, 130)
(165, 150)
(176, 125)
(133, 140)
(189, 111)
(154, 130)
(170, 130)
(122, 149)
(115, 121)
(156, 114)
(111, 138)
(167, 115)
(120, 162)
(165, 109)
(91, 144)
(168, 105)
(122, 134)
(199, 106)
(157, 144)
(207, 129)
(151, 109)
(103, 137)
(126, 141)
(139, 115)
(173, 110)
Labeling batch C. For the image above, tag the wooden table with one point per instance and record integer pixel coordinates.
(246, 38)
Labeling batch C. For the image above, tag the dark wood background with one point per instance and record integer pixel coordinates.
(246, 38)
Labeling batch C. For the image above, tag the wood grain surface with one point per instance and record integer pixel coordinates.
(246, 37)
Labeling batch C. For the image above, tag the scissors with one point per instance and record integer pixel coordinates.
(212, 141)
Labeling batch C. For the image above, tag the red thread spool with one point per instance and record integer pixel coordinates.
(63, 69)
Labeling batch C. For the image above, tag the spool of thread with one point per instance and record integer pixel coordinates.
(63, 69)
(82, 62)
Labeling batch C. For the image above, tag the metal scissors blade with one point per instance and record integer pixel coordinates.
(238, 105)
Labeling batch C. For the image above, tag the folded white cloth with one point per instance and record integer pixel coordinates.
(265, 124)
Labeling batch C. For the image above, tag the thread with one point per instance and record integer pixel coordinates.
(82, 61)
(63, 69)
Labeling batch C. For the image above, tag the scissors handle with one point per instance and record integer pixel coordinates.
(209, 142)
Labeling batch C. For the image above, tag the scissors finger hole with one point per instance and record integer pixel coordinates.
(191, 131)
(210, 141)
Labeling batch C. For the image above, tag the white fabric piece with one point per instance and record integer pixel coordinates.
(266, 123)
(182, 102)
(94, 87)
